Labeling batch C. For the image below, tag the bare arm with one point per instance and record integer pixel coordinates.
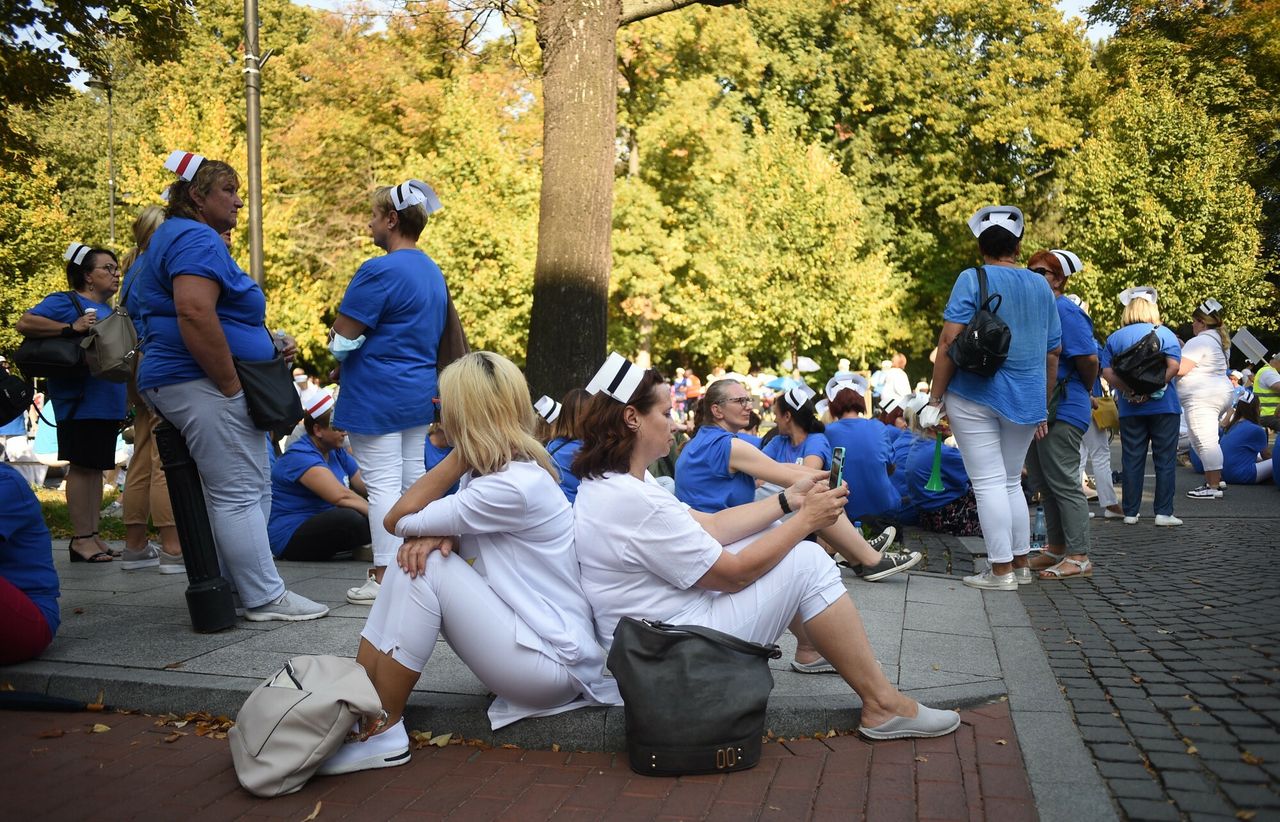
(1051, 372)
(746, 458)
(196, 301)
(943, 368)
(1087, 368)
(733, 572)
(348, 327)
(33, 325)
(429, 488)
(321, 482)
(732, 524)
(1171, 369)
(357, 484)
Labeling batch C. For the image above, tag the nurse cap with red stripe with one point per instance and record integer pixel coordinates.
(184, 164)
(318, 403)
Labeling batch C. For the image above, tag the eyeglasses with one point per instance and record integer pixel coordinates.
(110, 268)
(1043, 272)
(745, 402)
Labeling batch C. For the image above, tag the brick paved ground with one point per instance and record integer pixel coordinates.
(130, 771)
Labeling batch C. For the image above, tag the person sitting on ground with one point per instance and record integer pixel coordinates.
(29, 592)
(954, 509)
(799, 438)
(717, 470)
(318, 507)
(437, 448)
(566, 439)
(867, 448)
(518, 618)
(645, 555)
(891, 417)
(1245, 453)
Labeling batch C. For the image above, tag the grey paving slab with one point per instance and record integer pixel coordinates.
(942, 590)
(961, 654)
(947, 619)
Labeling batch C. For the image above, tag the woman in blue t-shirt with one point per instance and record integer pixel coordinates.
(1246, 456)
(318, 506)
(28, 582)
(200, 312)
(799, 437)
(89, 409)
(566, 439)
(868, 452)
(954, 509)
(386, 336)
(1145, 420)
(995, 418)
(717, 470)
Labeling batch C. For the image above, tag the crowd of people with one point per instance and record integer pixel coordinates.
(524, 531)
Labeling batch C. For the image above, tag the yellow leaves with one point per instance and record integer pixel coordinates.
(99, 728)
(441, 740)
(1002, 742)
(1251, 758)
(314, 812)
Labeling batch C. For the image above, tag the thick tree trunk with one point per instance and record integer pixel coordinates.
(568, 325)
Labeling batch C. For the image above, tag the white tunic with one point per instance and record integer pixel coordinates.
(519, 526)
(1208, 380)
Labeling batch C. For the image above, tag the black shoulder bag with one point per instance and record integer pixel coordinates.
(983, 346)
(60, 357)
(694, 698)
(1142, 365)
(274, 404)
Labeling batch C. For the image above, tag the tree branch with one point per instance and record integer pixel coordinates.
(633, 10)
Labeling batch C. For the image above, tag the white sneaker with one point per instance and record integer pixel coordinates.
(1107, 513)
(364, 594)
(1167, 520)
(1133, 520)
(990, 581)
(1222, 485)
(1205, 492)
(290, 607)
(386, 750)
(172, 563)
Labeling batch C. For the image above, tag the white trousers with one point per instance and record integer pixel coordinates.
(1203, 413)
(389, 464)
(1265, 469)
(1095, 448)
(409, 614)
(994, 450)
(804, 582)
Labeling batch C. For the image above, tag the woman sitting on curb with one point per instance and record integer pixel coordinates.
(318, 505)
(645, 555)
(518, 617)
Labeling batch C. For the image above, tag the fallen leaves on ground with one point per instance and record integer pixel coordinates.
(214, 727)
(1002, 742)
(174, 737)
(1251, 758)
(922, 759)
(1246, 815)
(314, 812)
(99, 728)
(52, 733)
(173, 665)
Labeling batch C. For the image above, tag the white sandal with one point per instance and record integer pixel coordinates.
(1084, 568)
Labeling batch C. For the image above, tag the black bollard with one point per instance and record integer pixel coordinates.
(208, 593)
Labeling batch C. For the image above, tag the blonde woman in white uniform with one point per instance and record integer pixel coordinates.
(517, 617)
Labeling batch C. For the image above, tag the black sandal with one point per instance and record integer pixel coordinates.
(78, 557)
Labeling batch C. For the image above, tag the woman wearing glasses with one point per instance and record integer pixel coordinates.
(89, 409)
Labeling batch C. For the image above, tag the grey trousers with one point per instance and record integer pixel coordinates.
(232, 457)
(1054, 465)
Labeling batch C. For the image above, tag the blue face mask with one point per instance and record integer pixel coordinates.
(340, 346)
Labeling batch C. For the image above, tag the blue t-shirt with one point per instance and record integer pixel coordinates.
(186, 247)
(1017, 391)
(955, 481)
(26, 548)
(389, 382)
(1077, 341)
(129, 293)
(893, 432)
(432, 456)
(1123, 339)
(868, 454)
(781, 449)
(81, 398)
(1241, 445)
(15, 426)
(749, 438)
(293, 503)
(908, 513)
(703, 480)
(563, 451)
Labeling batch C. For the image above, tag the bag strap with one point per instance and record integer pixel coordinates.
(75, 301)
(984, 297)
(719, 638)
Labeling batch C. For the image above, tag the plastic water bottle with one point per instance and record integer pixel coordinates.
(1038, 530)
(1155, 395)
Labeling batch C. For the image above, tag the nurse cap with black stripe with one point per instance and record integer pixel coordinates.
(547, 408)
(618, 378)
(76, 253)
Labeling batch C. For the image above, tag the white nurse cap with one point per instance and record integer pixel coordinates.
(617, 378)
(415, 192)
(1007, 217)
(547, 408)
(839, 382)
(798, 396)
(1070, 262)
(1210, 306)
(75, 253)
(1138, 292)
(184, 164)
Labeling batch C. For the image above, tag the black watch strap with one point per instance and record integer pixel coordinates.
(782, 500)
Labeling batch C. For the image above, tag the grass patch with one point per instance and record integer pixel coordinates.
(53, 504)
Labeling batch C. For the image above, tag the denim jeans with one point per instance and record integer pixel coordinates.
(1160, 432)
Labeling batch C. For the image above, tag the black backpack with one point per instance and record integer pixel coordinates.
(983, 345)
(15, 397)
(1142, 365)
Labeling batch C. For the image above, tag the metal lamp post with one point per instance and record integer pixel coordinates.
(105, 85)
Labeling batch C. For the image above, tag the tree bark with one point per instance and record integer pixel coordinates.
(568, 323)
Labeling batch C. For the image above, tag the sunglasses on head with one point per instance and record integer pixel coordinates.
(1043, 272)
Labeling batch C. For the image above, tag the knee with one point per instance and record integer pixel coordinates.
(815, 561)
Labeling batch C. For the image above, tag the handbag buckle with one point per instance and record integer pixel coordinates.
(727, 757)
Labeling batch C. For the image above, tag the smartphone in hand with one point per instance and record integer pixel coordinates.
(837, 467)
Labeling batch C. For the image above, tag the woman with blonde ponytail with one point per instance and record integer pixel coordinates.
(492, 566)
(1205, 392)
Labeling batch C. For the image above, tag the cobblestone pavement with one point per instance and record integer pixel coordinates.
(1168, 655)
(133, 770)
